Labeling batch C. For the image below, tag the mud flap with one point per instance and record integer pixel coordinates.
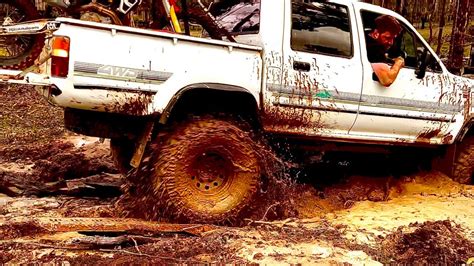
(142, 142)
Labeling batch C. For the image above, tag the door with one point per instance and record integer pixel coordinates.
(411, 109)
(319, 87)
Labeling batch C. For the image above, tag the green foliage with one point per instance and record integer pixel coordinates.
(447, 31)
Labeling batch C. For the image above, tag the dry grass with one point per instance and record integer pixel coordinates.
(25, 117)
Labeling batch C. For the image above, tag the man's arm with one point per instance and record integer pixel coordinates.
(387, 74)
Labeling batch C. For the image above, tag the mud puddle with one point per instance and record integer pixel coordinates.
(357, 220)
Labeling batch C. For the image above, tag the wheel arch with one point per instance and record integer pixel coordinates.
(202, 98)
(467, 130)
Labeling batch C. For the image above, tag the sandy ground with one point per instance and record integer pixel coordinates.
(57, 205)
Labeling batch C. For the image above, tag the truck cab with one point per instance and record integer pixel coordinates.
(317, 72)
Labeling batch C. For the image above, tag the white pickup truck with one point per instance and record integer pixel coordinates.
(298, 70)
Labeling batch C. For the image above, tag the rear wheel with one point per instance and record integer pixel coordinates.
(204, 170)
(19, 51)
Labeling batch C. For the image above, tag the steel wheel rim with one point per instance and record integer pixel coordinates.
(210, 173)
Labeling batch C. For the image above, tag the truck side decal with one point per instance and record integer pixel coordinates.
(120, 73)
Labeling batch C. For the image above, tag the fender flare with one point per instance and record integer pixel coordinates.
(466, 128)
(212, 86)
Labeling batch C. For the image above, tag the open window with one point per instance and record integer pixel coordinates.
(407, 44)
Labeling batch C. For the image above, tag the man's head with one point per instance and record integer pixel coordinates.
(386, 30)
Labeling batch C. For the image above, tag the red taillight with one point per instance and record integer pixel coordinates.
(60, 56)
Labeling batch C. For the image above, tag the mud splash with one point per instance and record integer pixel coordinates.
(136, 105)
(177, 150)
(278, 190)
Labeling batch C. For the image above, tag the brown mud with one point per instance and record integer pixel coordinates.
(355, 218)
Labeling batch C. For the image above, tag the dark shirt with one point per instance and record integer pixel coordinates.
(375, 51)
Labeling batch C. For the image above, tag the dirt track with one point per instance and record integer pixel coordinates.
(52, 185)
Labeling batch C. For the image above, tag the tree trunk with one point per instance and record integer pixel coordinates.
(454, 9)
(428, 11)
(441, 26)
(400, 6)
(459, 33)
(430, 40)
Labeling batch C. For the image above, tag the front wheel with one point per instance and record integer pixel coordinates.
(463, 166)
(204, 170)
(19, 51)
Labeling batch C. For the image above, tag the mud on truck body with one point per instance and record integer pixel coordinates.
(182, 109)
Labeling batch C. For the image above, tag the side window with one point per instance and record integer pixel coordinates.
(320, 27)
(413, 48)
(407, 43)
(237, 16)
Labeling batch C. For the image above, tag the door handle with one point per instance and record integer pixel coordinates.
(301, 66)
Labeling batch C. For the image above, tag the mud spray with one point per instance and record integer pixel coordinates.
(142, 200)
(279, 195)
(278, 190)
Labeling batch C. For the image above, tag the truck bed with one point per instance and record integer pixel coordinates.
(112, 67)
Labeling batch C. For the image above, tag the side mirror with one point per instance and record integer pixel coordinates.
(403, 54)
(423, 59)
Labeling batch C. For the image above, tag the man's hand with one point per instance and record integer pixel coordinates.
(399, 61)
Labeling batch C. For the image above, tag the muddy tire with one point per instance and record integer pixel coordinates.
(204, 171)
(122, 152)
(19, 52)
(463, 166)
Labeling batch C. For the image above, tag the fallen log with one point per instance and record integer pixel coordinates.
(26, 226)
(103, 185)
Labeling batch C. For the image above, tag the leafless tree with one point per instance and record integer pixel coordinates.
(461, 20)
(441, 26)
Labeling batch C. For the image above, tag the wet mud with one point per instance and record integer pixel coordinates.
(44, 169)
(437, 242)
(336, 214)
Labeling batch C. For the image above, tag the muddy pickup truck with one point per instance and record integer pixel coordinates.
(184, 111)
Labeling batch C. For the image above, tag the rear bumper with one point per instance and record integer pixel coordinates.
(64, 94)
